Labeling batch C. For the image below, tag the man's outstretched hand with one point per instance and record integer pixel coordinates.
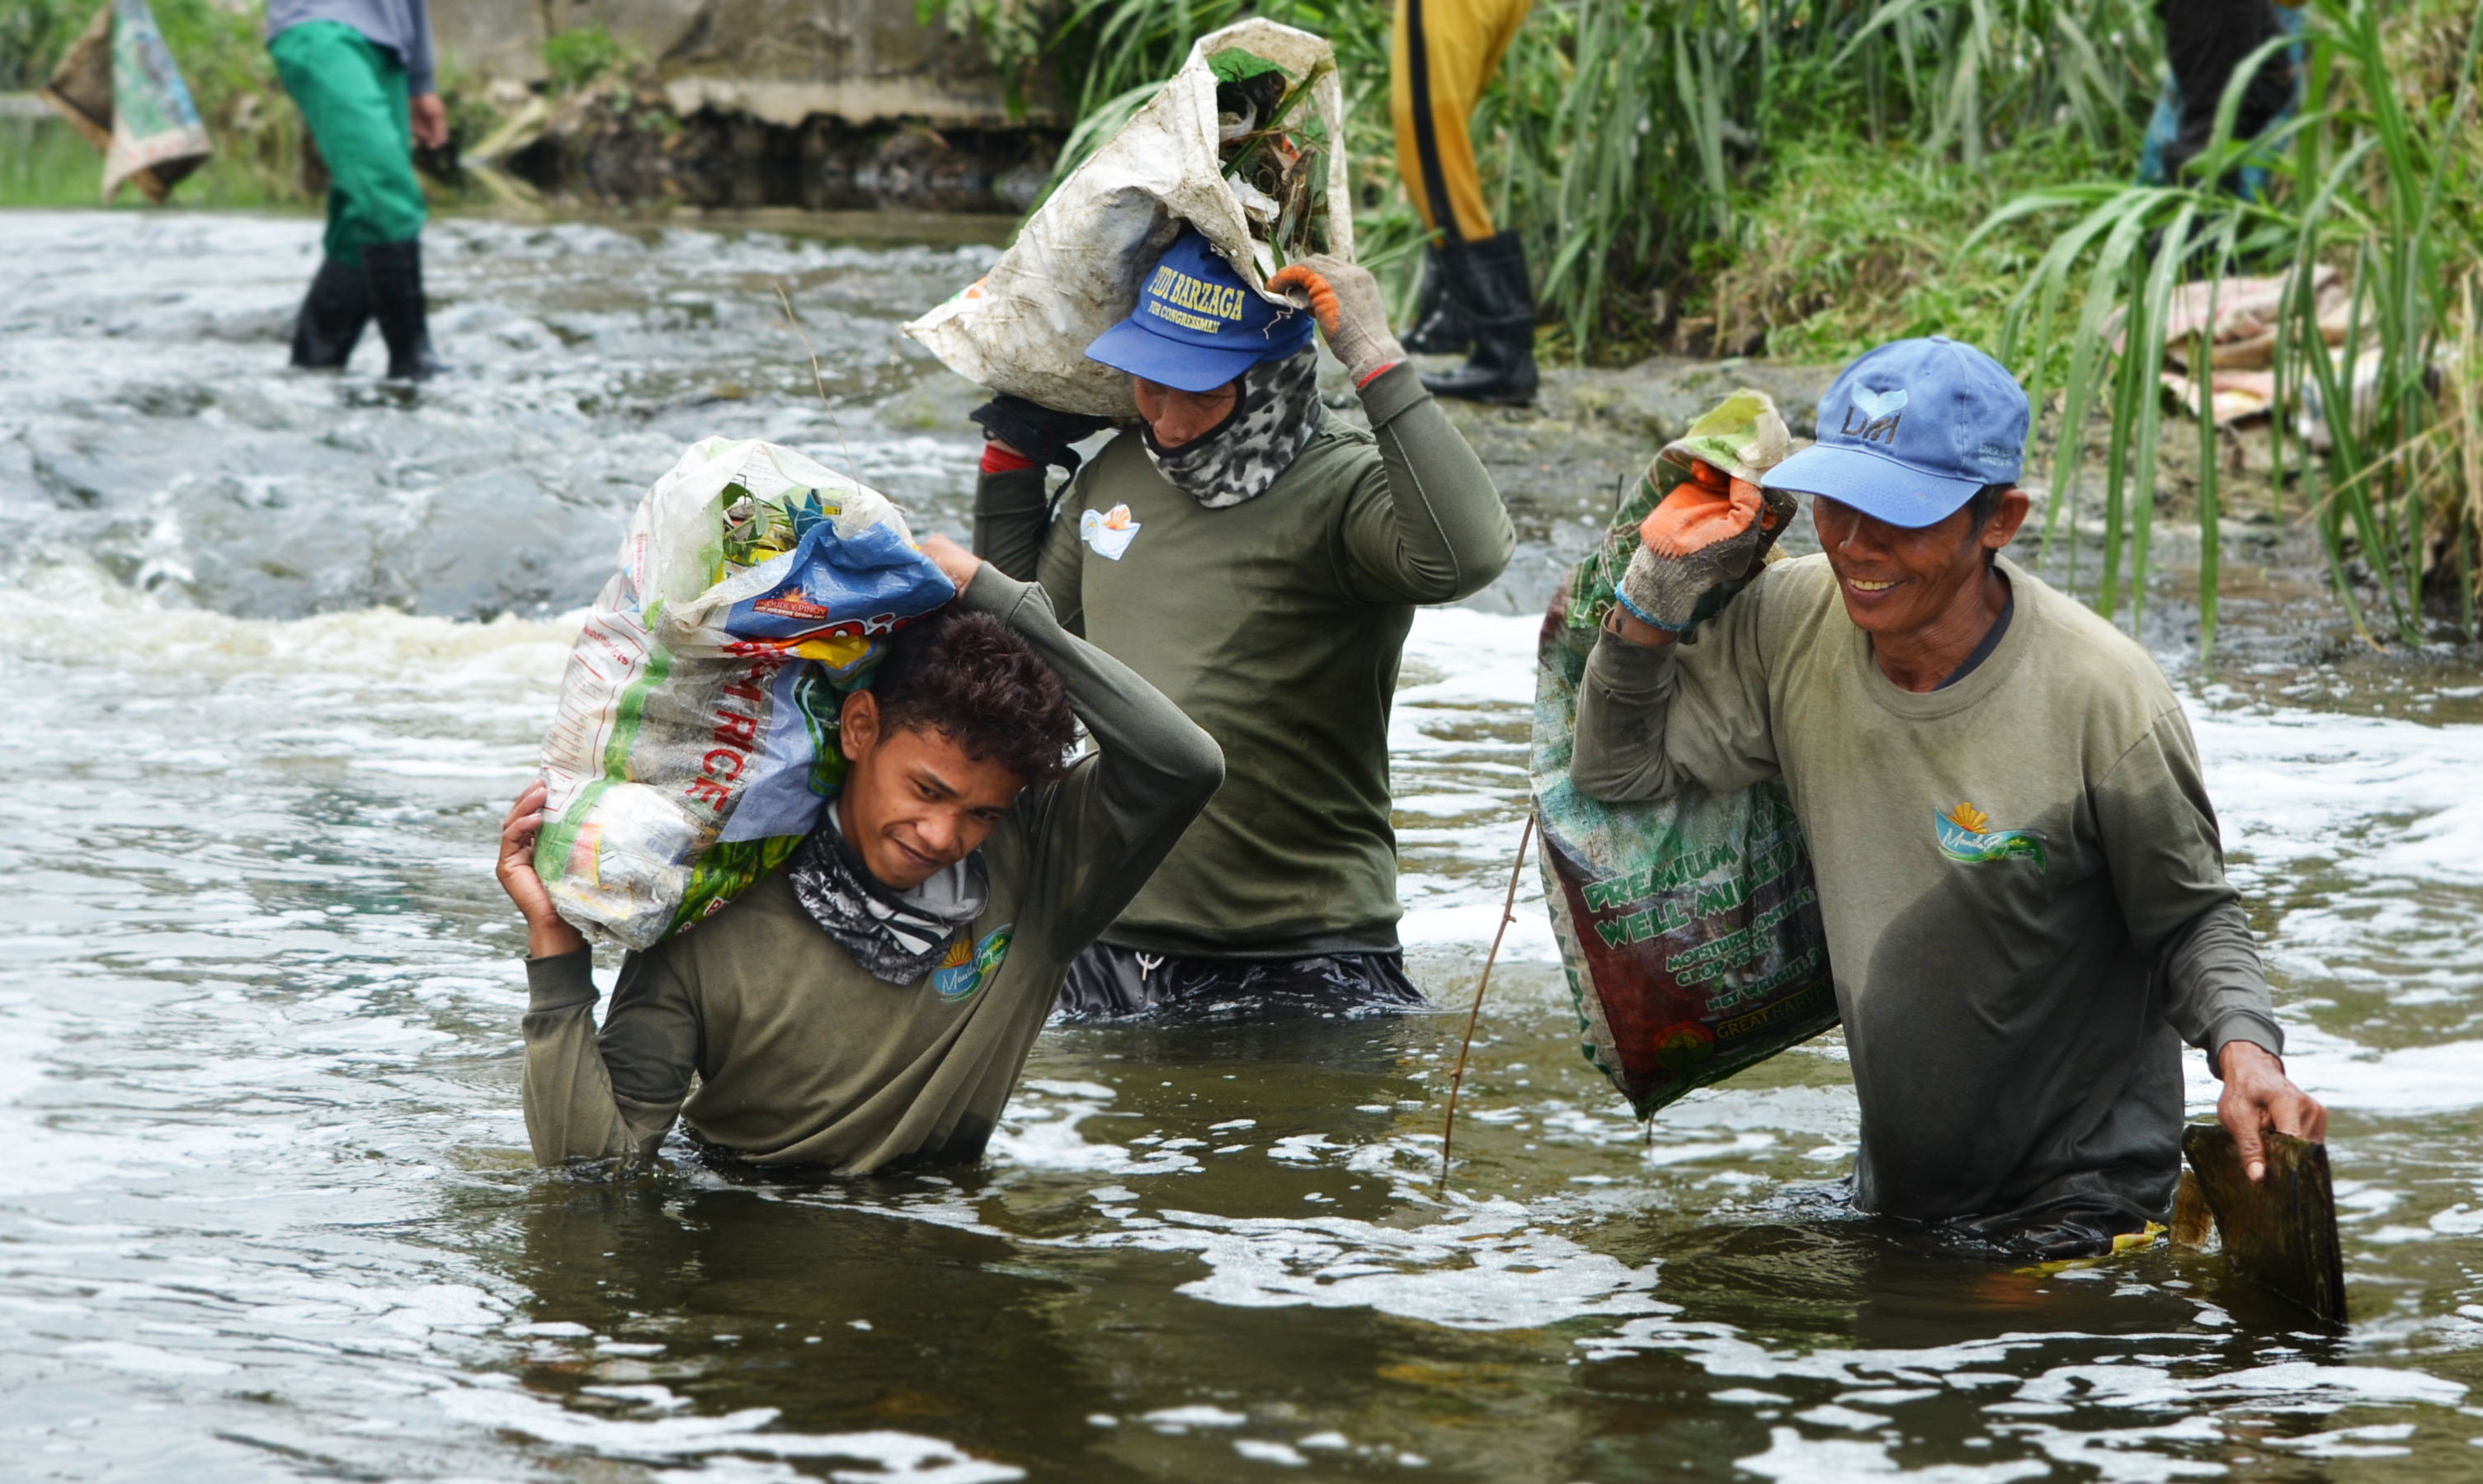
(430, 119)
(547, 935)
(2260, 1099)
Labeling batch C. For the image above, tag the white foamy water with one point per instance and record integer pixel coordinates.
(266, 1210)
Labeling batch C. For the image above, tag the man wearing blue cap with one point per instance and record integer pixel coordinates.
(2018, 864)
(1259, 563)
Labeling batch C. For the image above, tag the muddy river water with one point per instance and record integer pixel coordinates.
(277, 648)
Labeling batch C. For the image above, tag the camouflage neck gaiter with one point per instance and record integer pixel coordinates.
(1272, 422)
(896, 937)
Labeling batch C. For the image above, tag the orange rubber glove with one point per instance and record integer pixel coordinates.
(1698, 547)
(1697, 514)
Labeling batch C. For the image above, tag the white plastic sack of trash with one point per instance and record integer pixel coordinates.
(119, 86)
(1073, 271)
(695, 742)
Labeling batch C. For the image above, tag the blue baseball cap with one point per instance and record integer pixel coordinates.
(1197, 325)
(1910, 431)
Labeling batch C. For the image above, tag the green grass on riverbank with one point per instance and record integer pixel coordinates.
(1807, 178)
(43, 162)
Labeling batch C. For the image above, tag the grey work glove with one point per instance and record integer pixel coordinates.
(1346, 301)
(1704, 543)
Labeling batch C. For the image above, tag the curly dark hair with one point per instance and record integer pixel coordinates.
(971, 679)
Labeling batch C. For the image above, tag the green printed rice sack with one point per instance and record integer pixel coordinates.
(1690, 927)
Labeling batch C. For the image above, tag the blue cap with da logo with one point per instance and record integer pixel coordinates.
(1197, 325)
(1910, 431)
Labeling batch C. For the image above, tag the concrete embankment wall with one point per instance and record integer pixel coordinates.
(818, 103)
(778, 61)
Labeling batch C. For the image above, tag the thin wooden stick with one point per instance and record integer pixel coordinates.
(853, 471)
(1507, 916)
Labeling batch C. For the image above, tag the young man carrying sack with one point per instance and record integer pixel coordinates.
(1259, 563)
(2017, 866)
(870, 1002)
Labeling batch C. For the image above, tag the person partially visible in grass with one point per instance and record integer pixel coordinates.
(2206, 42)
(362, 73)
(1477, 296)
(2018, 864)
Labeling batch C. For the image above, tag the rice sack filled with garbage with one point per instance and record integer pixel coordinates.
(1689, 926)
(696, 741)
(1246, 142)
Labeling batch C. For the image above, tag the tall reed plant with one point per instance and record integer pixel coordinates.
(1622, 135)
(2374, 178)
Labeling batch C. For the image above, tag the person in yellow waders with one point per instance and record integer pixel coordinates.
(1476, 293)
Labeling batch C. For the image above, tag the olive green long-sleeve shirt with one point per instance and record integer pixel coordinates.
(1276, 624)
(799, 1055)
(2020, 876)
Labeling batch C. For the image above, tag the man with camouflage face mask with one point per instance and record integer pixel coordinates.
(1258, 562)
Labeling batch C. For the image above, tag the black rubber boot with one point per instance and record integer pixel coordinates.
(395, 270)
(1439, 329)
(331, 319)
(1491, 289)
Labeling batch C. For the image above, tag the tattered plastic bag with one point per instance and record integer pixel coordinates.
(696, 743)
(1073, 271)
(1690, 927)
(120, 87)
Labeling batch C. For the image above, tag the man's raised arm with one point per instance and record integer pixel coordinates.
(1429, 527)
(1012, 505)
(1655, 714)
(1442, 533)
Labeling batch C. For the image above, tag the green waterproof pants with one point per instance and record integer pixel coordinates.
(352, 95)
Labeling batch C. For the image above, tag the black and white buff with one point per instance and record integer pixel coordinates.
(1272, 422)
(899, 936)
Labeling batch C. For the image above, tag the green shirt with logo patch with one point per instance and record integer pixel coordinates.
(797, 1055)
(2020, 876)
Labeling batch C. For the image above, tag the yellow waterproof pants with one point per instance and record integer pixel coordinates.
(1442, 57)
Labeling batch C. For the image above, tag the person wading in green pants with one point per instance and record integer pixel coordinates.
(360, 72)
